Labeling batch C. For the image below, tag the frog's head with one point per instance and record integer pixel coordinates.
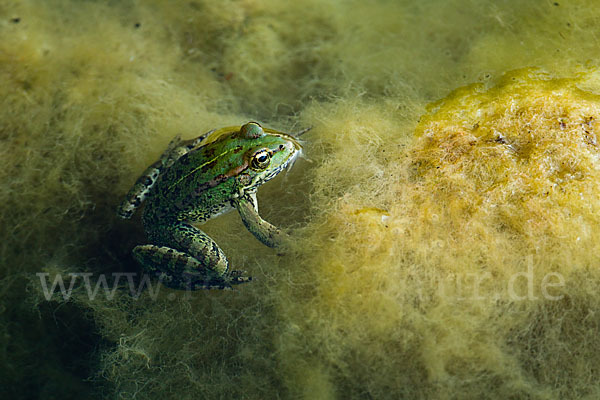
(268, 153)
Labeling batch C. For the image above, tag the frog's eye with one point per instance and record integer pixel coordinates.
(260, 159)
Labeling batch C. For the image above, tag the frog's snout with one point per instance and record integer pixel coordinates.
(294, 149)
(291, 147)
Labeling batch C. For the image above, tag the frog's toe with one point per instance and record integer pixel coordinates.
(209, 285)
(223, 283)
(237, 277)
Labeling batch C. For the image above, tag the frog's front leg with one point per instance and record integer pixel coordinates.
(267, 233)
(194, 261)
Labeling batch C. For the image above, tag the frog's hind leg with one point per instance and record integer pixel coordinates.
(179, 270)
(136, 195)
(202, 266)
(138, 192)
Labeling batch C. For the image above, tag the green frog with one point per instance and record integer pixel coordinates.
(196, 180)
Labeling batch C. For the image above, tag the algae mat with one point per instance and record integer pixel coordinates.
(444, 219)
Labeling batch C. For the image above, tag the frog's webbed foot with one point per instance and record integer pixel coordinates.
(178, 270)
(267, 233)
(225, 282)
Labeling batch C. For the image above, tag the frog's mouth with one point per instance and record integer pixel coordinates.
(287, 165)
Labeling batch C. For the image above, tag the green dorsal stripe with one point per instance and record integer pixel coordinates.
(200, 167)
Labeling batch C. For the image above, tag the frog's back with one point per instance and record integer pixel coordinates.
(197, 187)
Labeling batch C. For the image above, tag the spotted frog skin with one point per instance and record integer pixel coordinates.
(196, 180)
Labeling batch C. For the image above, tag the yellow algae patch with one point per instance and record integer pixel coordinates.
(469, 267)
(521, 159)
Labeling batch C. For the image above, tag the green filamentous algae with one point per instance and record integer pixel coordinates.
(442, 220)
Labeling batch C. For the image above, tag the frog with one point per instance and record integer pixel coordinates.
(199, 179)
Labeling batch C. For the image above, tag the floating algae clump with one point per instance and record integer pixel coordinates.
(522, 158)
(468, 268)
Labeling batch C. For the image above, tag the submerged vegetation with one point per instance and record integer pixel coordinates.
(444, 230)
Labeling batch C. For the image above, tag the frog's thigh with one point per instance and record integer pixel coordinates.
(194, 258)
(170, 265)
(200, 246)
